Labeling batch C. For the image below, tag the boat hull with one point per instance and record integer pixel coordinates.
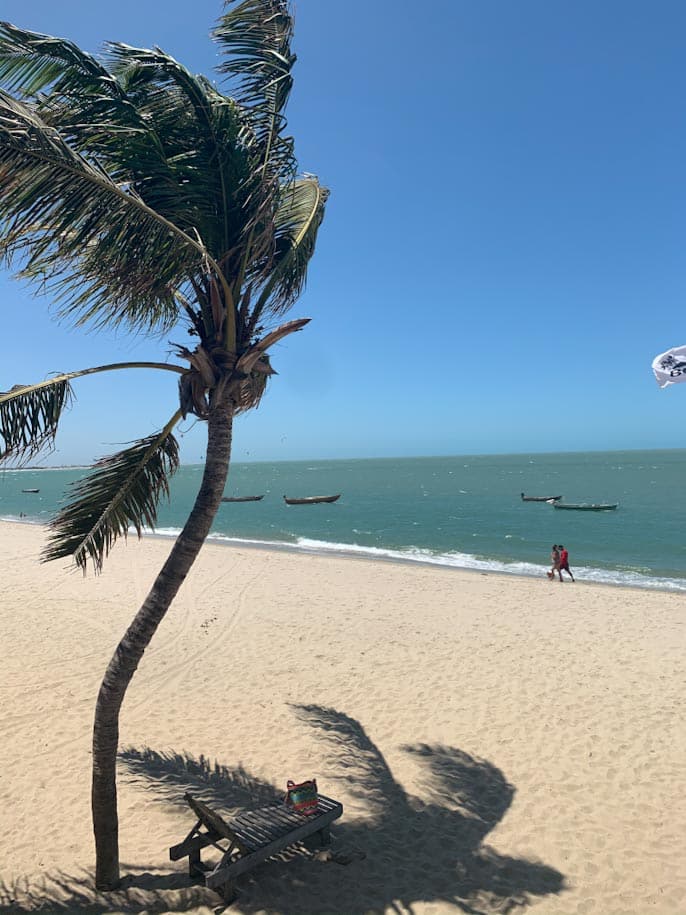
(540, 498)
(242, 498)
(587, 508)
(311, 500)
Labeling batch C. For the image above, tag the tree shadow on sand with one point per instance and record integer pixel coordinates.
(142, 891)
(399, 851)
(403, 849)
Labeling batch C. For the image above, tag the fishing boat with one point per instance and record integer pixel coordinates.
(587, 506)
(540, 498)
(242, 498)
(30, 490)
(311, 500)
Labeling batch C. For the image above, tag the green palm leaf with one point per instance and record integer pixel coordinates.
(201, 133)
(106, 255)
(296, 224)
(31, 62)
(29, 416)
(30, 413)
(149, 122)
(122, 491)
(74, 93)
(255, 40)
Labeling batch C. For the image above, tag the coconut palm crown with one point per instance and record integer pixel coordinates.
(137, 195)
(140, 197)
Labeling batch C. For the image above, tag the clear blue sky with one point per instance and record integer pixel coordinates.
(504, 248)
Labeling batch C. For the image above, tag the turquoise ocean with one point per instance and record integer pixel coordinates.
(465, 512)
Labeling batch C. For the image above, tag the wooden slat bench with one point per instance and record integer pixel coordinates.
(249, 838)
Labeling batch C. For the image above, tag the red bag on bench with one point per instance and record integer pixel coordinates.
(302, 797)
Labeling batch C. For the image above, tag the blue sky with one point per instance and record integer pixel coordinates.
(503, 251)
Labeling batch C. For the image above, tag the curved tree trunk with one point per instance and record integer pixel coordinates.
(130, 650)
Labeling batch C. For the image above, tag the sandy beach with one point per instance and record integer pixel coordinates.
(498, 743)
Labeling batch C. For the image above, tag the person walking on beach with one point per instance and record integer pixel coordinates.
(564, 563)
(555, 561)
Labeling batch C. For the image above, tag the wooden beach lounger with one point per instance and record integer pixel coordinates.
(249, 838)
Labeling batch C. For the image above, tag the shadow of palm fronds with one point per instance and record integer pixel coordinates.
(404, 849)
(176, 773)
(474, 789)
(435, 839)
(360, 765)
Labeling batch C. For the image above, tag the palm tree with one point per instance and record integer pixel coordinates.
(139, 196)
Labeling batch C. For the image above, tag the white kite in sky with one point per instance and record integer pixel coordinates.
(670, 367)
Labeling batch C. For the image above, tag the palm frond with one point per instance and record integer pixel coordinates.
(360, 763)
(255, 40)
(200, 132)
(122, 491)
(29, 416)
(105, 254)
(31, 62)
(30, 413)
(149, 69)
(74, 93)
(148, 121)
(296, 224)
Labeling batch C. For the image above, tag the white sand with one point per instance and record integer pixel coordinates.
(497, 742)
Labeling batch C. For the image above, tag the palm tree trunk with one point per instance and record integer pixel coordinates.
(130, 650)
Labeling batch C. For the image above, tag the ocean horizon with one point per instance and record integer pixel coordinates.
(462, 511)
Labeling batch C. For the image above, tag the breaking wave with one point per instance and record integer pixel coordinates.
(456, 560)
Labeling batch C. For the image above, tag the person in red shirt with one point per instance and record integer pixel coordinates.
(564, 563)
